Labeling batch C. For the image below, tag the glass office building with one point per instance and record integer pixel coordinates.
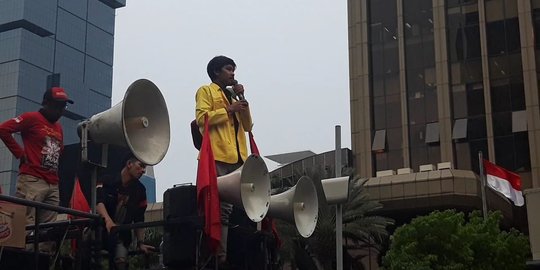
(433, 83)
(45, 43)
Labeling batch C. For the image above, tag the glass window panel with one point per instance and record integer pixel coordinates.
(395, 159)
(463, 156)
(456, 73)
(472, 42)
(381, 161)
(518, 97)
(417, 113)
(395, 138)
(472, 71)
(428, 50)
(454, 17)
(476, 128)
(417, 135)
(459, 101)
(500, 96)
(391, 61)
(504, 152)
(494, 10)
(495, 39)
(460, 129)
(455, 44)
(499, 67)
(432, 133)
(379, 141)
(502, 124)
(432, 113)
(393, 111)
(523, 156)
(510, 8)
(379, 112)
(377, 67)
(414, 54)
(419, 156)
(471, 14)
(512, 35)
(475, 99)
(391, 84)
(415, 82)
(434, 154)
(378, 86)
(429, 77)
(515, 64)
(519, 121)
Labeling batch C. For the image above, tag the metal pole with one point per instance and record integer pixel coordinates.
(482, 184)
(339, 208)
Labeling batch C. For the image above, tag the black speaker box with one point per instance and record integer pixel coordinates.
(180, 240)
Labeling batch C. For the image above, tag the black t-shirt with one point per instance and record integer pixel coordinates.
(125, 204)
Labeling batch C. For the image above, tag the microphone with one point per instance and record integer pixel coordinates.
(234, 94)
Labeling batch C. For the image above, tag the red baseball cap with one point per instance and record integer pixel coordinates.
(56, 94)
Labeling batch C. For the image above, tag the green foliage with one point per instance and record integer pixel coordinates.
(446, 240)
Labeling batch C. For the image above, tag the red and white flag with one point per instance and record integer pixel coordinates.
(505, 182)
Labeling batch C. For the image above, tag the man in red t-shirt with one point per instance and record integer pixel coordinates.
(42, 138)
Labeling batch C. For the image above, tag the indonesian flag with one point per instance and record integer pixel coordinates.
(207, 192)
(505, 182)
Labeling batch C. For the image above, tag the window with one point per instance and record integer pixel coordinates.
(519, 121)
(379, 141)
(432, 133)
(460, 129)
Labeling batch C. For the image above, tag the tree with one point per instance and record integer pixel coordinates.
(445, 240)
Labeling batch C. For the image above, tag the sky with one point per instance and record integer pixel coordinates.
(291, 57)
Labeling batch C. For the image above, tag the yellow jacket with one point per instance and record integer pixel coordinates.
(211, 100)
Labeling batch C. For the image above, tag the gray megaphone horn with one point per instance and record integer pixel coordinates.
(248, 187)
(298, 205)
(139, 122)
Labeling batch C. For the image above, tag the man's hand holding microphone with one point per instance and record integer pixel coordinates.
(240, 105)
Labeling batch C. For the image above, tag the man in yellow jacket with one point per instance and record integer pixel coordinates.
(228, 120)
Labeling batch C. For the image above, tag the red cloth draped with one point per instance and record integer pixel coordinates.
(207, 192)
(78, 202)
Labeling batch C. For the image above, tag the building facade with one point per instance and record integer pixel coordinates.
(47, 43)
(437, 81)
(434, 82)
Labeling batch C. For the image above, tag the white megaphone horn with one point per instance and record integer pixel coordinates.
(139, 122)
(248, 187)
(299, 204)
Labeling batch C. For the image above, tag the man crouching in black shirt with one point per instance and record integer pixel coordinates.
(121, 199)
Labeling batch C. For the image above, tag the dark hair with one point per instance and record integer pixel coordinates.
(129, 157)
(216, 64)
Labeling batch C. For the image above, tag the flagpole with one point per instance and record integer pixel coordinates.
(482, 184)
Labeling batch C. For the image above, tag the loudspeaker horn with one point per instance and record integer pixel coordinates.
(247, 187)
(140, 122)
(299, 204)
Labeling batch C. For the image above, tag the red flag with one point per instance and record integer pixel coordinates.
(78, 201)
(207, 192)
(267, 223)
(253, 145)
(505, 182)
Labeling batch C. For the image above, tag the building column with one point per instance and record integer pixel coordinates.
(530, 83)
(359, 86)
(403, 86)
(443, 81)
